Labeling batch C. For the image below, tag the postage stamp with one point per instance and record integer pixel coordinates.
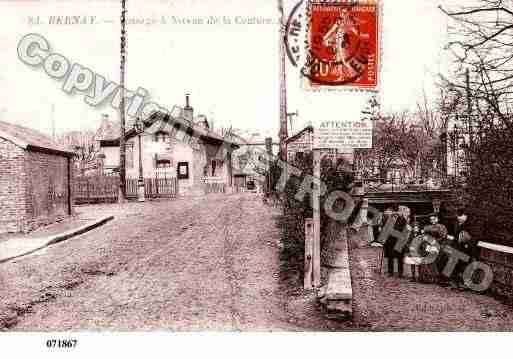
(343, 45)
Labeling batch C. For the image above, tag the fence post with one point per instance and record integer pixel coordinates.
(308, 253)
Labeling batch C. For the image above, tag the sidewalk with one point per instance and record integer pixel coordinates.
(17, 245)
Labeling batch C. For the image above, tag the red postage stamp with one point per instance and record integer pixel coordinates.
(343, 45)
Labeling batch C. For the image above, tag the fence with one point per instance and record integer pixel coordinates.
(214, 188)
(160, 187)
(96, 189)
(214, 185)
(105, 189)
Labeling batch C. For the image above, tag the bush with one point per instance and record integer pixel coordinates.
(335, 176)
(489, 189)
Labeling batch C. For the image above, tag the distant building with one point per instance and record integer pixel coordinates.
(299, 144)
(250, 167)
(36, 177)
(179, 147)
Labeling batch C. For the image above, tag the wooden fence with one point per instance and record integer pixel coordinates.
(214, 188)
(105, 189)
(214, 185)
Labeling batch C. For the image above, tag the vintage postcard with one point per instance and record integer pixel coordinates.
(259, 166)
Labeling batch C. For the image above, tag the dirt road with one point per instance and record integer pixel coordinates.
(190, 264)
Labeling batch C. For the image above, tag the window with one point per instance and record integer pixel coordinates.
(161, 137)
(299, 156)
(183, 170)
(163, 163)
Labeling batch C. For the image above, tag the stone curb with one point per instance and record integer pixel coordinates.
(63, 236)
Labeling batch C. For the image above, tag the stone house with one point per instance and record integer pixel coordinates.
(36, 177)
(181, 147)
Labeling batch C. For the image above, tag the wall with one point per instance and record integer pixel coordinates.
(47, 193)
(33, 188)
(500, 259)
(12, 187)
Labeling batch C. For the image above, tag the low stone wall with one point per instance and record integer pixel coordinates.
(500, 259)
(337, 294)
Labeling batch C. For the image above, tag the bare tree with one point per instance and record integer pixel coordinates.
(406, 139)
(84, 146)
(479, 96)
(482, 46)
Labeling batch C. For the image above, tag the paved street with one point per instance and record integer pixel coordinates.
(207, 263)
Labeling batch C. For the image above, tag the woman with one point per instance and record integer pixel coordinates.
(435, 234)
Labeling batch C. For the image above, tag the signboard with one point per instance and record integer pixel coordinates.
(343, 45)
(344, 135)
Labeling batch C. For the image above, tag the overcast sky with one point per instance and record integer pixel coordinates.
(231, 70)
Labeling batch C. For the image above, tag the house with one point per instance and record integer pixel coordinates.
(299, 144)
(249, 161)
(181, 147)
(36, 177)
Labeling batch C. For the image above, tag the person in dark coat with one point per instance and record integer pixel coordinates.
(390, 252)
(462, 241)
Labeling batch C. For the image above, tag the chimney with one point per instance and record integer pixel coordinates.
(188, 111)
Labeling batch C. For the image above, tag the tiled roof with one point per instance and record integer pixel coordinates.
(198, 131)
(297, 135)
(28, 138)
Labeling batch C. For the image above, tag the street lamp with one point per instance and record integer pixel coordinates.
(139, 129)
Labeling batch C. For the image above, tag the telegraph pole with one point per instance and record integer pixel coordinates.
(122, 147)
(283, 85)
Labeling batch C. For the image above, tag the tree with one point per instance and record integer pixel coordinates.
(478, 98)
(483, 62)
(404, 139)
(84, 146)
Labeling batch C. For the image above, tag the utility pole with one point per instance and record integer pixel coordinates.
(283, 86)
(54, 137)
(122, 147)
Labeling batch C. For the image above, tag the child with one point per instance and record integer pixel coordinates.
(412, 259)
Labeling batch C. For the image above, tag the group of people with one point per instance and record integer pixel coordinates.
(417, 249)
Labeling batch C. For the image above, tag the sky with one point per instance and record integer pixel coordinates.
(230, 69)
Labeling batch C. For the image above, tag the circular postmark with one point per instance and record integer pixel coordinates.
(293, 30)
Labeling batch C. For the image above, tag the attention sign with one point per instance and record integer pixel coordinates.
(343, 134)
